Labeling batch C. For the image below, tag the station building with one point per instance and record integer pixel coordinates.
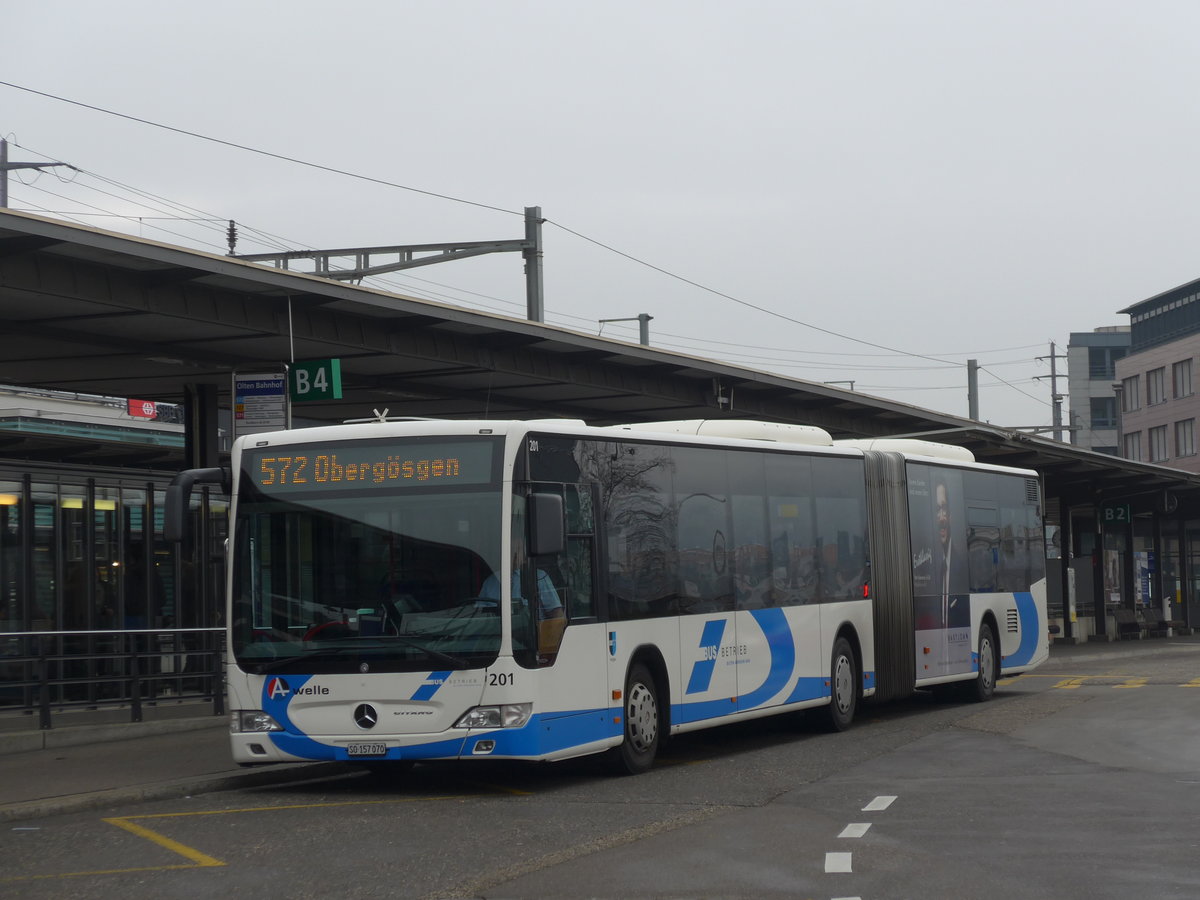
(1156, 381)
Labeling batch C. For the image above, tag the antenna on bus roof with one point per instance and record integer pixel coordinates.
(384, 417)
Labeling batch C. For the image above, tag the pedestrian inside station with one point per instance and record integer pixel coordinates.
(101, 616)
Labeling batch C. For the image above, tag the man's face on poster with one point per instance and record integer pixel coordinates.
(943, 515)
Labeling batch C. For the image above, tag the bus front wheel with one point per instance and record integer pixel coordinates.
(642, 720)
(843, 686)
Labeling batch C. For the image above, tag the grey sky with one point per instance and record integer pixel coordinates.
(951, 179)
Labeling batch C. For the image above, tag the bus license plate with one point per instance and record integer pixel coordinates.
(366, 749)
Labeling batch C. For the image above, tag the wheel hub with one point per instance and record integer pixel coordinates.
(842, 688)
(642, 716)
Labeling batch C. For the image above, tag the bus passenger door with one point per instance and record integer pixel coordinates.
(572, 639)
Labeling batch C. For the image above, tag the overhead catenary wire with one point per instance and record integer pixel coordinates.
(938, 359)
(443, 196)
(132, 217)
(164, 204)
(1015, 388)
(233, 144)
(745, 303)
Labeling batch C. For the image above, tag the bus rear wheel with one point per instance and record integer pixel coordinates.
(642, 723)
(984, 685)
(843, 686)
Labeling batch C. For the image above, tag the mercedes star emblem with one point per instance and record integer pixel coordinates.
(365, 716)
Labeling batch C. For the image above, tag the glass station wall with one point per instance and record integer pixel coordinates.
(82, 551)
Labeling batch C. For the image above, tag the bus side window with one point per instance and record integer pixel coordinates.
(576, 564)
(580, 593)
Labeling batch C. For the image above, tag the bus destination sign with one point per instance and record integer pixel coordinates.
(366, 465)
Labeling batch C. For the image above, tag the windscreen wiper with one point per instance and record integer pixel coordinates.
(456, 661)
(280, 662)
(326, 652)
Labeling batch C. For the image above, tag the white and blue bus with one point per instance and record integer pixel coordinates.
(539, 590)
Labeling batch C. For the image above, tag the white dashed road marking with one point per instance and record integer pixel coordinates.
(842, 863)
(837, 862)
(879, 804)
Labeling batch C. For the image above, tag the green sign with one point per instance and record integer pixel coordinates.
(1116, 514)
(315, 379)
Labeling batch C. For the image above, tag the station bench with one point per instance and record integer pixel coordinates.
(1157, 625)
(1128, 623)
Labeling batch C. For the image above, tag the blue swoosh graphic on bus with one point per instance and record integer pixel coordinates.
(431, 685)
(702, 669)
(1030, 630)
(775, 629)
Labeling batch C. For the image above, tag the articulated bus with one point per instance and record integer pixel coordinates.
(539, 590)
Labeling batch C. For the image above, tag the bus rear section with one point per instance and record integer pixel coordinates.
(959, 566)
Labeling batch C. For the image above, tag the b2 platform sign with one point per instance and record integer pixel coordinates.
(1116, 514)
(315, 379)
(260, 403)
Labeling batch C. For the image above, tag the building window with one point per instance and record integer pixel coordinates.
(1156, 386)
(1133, 445)
(1131, 393)
(1104, 412)
(1185, 438)
(1181, 376)
(1158, 443)
(1102, 362)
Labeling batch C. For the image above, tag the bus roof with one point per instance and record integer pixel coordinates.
(744, 429)
(912, 447)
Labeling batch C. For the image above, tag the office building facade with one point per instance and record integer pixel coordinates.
(1091, 373)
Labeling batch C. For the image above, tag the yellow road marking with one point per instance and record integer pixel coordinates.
(503, 789)
(96, 872)
(1195, 682)
(1064, 675)
(198, 860)
(1132, 683)
(1068, 684)
(250, 809)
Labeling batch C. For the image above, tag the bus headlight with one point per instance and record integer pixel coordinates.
(508, 715)
(242, 721)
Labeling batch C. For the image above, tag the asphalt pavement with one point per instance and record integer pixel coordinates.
(76, 767)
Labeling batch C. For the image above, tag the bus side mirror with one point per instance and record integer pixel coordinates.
(547, 530)
(179, 495)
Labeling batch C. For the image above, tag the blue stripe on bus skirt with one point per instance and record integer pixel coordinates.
(1031, 630)
(308, 748)
(538, 736)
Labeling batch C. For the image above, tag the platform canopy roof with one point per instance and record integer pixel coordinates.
(95, 312)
